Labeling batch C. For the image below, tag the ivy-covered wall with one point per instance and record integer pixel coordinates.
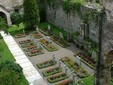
(69, 16)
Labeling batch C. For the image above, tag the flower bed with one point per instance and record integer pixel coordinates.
(66, 82)
(35, 52)
(49, 46)
(19, 35)
(51, 71)
(46, 64)
(59, 41)
(75, 67)
(36, 35)
(57, 77)
(87, 60)
(30, 49)
(25, 41)
(27, 45)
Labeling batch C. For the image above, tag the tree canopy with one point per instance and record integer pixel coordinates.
(31, 14)
(10, 73)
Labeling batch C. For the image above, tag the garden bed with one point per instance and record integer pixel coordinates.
(26, 43)
(48, 45)
(19, 35)
(66, 82)
(59, 41)
(75, 67)
(30, 49)
(35, 52)
(46, 64)
(57, 77)
(87, 60)
(51, 71)
(37, 35)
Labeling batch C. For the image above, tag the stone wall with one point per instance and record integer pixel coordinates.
(70, 22)
(10, 4)
(107, 34)
(107, 44)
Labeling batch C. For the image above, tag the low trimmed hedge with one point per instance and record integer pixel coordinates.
(53, 71)
(46, 64)
(60, 76)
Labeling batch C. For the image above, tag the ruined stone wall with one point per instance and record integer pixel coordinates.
(107, 35)
(9, 5)
(107, 44)
(70, 22)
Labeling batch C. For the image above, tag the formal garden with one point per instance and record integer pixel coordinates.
(34, 42)
(61, 57)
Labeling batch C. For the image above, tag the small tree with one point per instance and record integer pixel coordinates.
(31, 13)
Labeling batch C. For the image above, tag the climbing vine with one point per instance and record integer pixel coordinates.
(69, 5)
(49, 2)
(90, 15)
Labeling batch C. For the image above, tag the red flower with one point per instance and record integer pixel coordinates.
(30, 47)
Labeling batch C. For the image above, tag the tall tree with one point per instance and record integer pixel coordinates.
(31, 14)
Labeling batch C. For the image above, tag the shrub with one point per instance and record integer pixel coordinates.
(14, 29)
(12, 66)
(16, 18)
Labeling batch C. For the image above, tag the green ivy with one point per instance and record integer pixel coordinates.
(69, 5)
(89, 15)
(50, 2)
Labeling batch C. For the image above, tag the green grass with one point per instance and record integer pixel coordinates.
(55, 30)
(7, 55)
(90, 81)
(23, 81)
(4, 51)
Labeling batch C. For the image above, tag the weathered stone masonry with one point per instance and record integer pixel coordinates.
(70, 22)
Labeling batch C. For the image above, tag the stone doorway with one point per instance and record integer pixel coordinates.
(3, 16)
(6, 15)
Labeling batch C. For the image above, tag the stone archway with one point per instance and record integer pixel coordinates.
(5, 14)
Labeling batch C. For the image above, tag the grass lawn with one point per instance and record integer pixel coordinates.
(6, 55)
(4, 51)
(55, 30)
(90, 81)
